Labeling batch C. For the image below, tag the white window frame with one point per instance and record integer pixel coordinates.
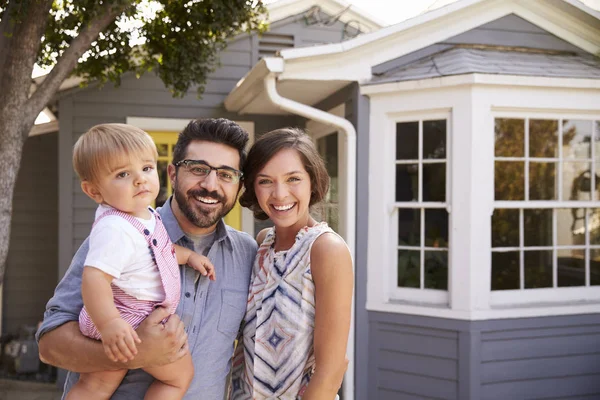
(556, 295)
(432, 297)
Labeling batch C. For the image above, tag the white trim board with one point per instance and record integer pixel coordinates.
(472, 109)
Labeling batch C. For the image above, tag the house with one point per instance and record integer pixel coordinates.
(464, 150)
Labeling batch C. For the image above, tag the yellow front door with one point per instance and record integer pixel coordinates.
(165, 141)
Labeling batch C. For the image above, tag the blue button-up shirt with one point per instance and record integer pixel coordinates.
(211, 310)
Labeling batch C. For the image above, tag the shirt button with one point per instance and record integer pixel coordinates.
(187, 294)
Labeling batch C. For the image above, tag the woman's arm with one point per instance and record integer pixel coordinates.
(331, 267)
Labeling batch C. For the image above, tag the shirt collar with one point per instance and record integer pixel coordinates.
(174, 230)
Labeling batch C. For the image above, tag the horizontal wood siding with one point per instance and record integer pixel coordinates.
(409, 360)
(31, 267)
(558, 358)
(512, 30)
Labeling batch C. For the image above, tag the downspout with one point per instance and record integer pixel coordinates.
(349, 213)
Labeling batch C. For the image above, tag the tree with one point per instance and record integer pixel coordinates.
(95, 40)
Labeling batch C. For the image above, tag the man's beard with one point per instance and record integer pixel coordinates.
(196, 215)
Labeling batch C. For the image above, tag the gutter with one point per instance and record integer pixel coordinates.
(349, 208)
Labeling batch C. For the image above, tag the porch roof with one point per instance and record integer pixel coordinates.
(463, 59)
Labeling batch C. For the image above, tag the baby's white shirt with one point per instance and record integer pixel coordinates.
(120, 250)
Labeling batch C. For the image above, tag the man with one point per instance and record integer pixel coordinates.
(209, 313)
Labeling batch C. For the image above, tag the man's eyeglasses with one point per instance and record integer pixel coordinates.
(202, 170)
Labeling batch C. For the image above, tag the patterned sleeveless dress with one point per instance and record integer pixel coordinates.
(278, 356)
(132, 310)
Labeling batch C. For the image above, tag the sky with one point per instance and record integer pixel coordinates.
(394, 11)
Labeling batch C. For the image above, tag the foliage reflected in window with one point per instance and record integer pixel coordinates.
(420, 194)
(553, 161)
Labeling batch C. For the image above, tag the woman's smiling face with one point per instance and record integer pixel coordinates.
(283, 190)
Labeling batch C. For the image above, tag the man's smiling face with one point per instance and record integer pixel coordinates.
(199, 203)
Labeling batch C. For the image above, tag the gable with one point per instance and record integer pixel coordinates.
(513, 31)
(510, 31)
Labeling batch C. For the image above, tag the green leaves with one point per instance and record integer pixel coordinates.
(178, 40)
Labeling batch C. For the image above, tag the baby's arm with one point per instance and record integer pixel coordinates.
(118, 337)
(199, 262)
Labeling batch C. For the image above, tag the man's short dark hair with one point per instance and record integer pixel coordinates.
(216, 130)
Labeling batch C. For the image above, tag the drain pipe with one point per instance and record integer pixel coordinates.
(349, 211)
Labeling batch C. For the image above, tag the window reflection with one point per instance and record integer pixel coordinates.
(436, 270)
(409, 227)
(434, 182)
(407, 182)
(538, 269)
(537, 227)
(570, 267)
(434, 139)
(542, 181)
(509, 180)
(505, 228)
(543, 138)
(505, 270)
(409, 268)
(407, 141)
(510, 137)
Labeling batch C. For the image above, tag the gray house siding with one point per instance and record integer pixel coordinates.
(31, 266)
(414, 357)
(147, 97)
(509, 31)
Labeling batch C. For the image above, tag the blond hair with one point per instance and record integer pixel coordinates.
(105, 145)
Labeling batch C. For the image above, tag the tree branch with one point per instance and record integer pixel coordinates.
(69, 58)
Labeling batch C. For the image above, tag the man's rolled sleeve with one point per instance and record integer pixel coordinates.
(66, 304)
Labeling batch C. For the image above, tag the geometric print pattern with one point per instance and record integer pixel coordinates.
(278, 356)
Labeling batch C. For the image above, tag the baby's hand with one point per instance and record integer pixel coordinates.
(119, 340)
(203, 265)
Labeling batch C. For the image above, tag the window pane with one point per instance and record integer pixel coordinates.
(434, 182)
(161, 168)
(409, 227)
(509, 180)
(576, 181)
(577, 136)
(407, 182)
(537, 227)
(569, 226)
(597, 139)
(436, 270)
(510, 137)
(163, 150)
(434, 139)
(542, 181)
(595, 267)
(571, 267)
(543, 138)
(409, 269)
(407, 141)
(505, 228)
(436, 228)
(594, 225)
(505, 270)
(538, 269)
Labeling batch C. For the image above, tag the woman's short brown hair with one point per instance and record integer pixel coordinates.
(272, 143)
(100, 148)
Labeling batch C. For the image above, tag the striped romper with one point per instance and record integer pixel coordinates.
(131, 309)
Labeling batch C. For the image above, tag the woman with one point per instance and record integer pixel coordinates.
(298, 314)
